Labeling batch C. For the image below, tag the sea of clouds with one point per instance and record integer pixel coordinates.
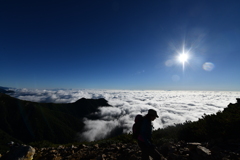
(172, 106)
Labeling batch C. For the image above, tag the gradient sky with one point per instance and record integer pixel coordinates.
(113, 44)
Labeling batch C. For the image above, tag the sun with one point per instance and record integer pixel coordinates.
(183, 57)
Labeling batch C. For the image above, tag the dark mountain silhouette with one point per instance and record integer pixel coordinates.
(5, 90)
(213, 137)
(57, 123)
(223, 127)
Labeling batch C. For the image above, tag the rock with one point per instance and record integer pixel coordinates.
(73, 147)
(128, 151)
(96, 146)
(203, 151)
(82, 146)
(193, 145)
(199, 152)
(103, 156)
(22, 152)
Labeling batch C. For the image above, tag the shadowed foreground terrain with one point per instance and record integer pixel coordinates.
(26, 122)
(213, 136)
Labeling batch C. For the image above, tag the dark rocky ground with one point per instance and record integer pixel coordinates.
(120, 151)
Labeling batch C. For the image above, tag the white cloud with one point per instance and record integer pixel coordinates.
(97, 129)
(172, 106)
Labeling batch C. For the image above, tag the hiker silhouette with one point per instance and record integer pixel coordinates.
(144, 138)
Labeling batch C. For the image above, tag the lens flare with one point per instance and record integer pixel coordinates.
(169, 63)
(208, 66)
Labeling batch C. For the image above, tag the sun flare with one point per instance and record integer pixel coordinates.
(183, 57)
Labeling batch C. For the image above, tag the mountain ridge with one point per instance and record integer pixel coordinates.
(31, 121)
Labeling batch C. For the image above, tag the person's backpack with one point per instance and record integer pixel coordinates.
(136, 128)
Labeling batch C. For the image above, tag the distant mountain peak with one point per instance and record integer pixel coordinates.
(98, 102)
(5, 90)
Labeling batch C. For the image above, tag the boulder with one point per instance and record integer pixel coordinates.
(21, 152)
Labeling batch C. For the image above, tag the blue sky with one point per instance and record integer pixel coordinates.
(113, 44)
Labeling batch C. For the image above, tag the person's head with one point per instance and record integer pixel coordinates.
(152, 114)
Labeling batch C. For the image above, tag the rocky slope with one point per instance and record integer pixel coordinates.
(120, 151)
(128, 151)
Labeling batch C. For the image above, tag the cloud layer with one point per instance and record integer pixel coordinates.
(172, 106)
